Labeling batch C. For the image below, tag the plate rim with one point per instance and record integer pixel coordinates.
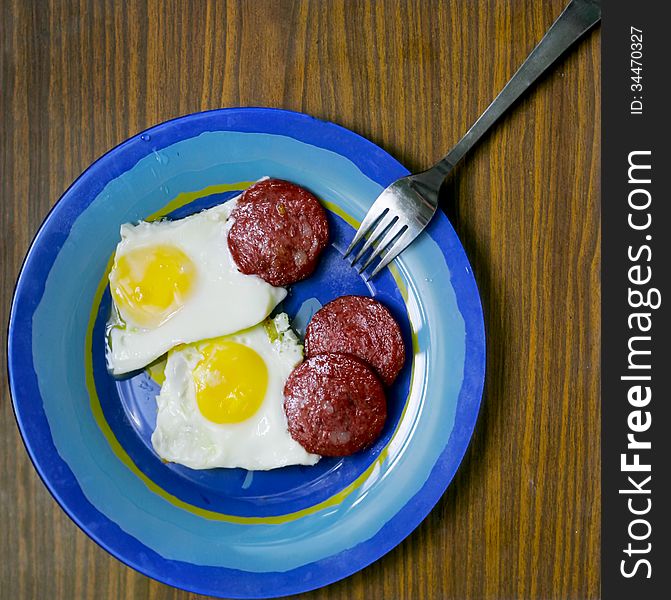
(430, 497)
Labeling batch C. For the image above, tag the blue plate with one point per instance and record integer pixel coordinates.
(231, 532)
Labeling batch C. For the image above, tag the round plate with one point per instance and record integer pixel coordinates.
(230, 532)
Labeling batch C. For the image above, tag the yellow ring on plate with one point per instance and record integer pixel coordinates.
(117, 448)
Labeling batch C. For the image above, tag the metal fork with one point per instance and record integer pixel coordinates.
(406, 206)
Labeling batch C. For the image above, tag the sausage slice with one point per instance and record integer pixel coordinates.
(335, 405)
(362, 327)
(279, 230)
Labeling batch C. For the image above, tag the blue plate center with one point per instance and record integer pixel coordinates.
(129, 404)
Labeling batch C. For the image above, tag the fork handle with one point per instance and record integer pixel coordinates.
(577, 18)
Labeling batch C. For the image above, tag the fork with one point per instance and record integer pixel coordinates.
(405, 207)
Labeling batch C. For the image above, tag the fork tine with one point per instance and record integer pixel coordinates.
(383, 224)
(394, 232)
(400, 245)
(369, 220)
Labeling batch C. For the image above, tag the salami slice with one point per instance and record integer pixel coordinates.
(362, 327)
(335, 405)
(279, 229)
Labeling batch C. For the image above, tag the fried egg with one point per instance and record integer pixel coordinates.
(176, 282)
(222, 401)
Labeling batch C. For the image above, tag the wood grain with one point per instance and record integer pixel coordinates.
(521, 519)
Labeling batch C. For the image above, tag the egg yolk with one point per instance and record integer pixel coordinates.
(151, 284)
(231, 381)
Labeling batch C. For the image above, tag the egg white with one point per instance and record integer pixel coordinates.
(262, 442)
(224, 299)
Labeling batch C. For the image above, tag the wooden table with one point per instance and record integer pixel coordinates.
(521, 519)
